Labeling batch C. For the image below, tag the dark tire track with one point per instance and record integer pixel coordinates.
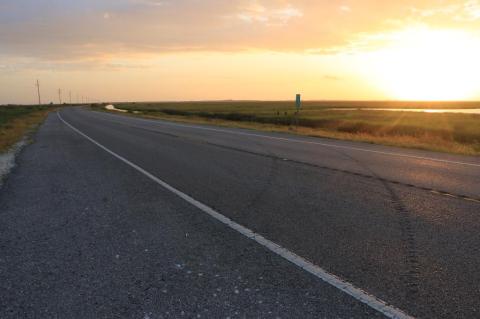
(411, 276)
(372, 176)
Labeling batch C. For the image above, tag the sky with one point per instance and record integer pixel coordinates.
(152, 50)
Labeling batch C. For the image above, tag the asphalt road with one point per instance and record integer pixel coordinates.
(84, 235)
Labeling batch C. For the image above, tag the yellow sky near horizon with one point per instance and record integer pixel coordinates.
(145, 50)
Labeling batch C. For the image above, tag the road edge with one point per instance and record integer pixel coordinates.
(335, 281)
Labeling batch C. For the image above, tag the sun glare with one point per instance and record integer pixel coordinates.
(425, 64)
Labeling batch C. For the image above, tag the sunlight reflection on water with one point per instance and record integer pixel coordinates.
(463, 111)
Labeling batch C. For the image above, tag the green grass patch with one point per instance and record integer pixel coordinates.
(448, 132)
(17, 120)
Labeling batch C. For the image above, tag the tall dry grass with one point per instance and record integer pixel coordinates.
(15, 124)
(445, 132)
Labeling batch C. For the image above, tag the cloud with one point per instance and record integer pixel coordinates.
(471, 11)
(332, 77)
(345, 8)
(32, 64)
(153, 3)
(257, 13)
(51, 30)
(453, 11)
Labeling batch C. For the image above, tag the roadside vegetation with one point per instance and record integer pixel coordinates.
(446, 132)
(17, 120)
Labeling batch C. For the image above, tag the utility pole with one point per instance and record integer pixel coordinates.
(38, 93)
(60, 95)
(70, 96)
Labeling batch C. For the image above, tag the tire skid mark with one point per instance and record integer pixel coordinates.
(411, 275)
(344, 171)
(409, 185)
(362, 296)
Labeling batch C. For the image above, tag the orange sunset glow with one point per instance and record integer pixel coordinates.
(240, 159)
(244, 49)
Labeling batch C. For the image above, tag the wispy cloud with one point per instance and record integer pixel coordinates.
(32, 64)
(345, 8)
(57, 30)
(270, 16)
(153, 3)
(459, 11)
(332, 77)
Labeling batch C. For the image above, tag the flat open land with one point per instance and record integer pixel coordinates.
(114, 216)
(446, 132)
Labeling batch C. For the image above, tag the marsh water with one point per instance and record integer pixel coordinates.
(462, 111)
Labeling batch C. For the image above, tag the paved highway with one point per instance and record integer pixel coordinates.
(114, 216)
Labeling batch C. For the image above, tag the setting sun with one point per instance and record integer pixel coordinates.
(424, 64)
(151, 50)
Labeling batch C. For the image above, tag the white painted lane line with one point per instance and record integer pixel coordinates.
(357, 293)
(359, 149)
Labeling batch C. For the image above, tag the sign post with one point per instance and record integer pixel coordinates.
(298, 104)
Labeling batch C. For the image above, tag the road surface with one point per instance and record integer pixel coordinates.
(113, 216)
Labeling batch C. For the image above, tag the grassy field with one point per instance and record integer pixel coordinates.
(447, 132)
(16, 121)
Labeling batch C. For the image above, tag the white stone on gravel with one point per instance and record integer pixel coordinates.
(7, 159)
